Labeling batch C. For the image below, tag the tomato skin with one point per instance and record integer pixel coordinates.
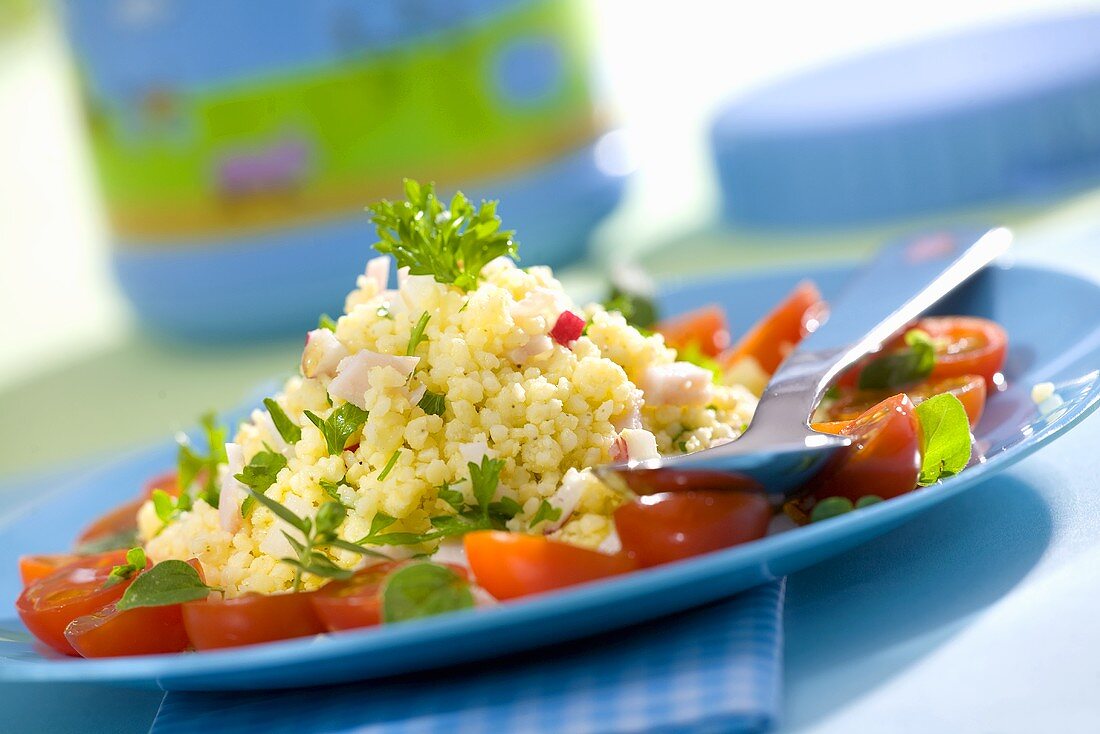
(772, 338)
(704, 327)
(50, 604)
(357, 602)
(966, 345)
(884, 459)
(166, 482)
(969, 389)
(249, 619)
(659, 481)
(511, 565)
(668, 527)
(34, 568)
(142, 631)
(120, 519)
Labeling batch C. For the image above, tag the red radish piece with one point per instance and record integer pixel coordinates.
(567, 329)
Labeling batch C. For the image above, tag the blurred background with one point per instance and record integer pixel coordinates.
(182, 182)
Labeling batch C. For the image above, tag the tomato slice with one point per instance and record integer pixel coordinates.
(511, 565)
(772, 338)
(118, 521)
(33, 568)
(884, 459)
(49, 605)
(966, 345)
(249, 619)
(704, 327)
(671, 526)
(142, 631)
(166, 482)
(969, 389)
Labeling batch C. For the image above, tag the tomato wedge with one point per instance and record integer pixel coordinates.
(969, 389)
(49, 605)
(772, 338)
(249, 619)
(110, 633)
(166, 482)
(885, 458)
(966, 345)
(33, 568)
(671, 526)
(118, 521)
(704, 327)
(511, 565)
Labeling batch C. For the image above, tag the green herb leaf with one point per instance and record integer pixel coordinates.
(546, 513)
(332, 490)
(325, 322)
(433, 403)
(340, 425)
(900, 367)
(451, 244)
(380, 522)
(423, 590)
(484, 480)
(693, 354)
(115, 541)
(452, 497)
(417, 334)
(192, 464)
(632, 295)
(168, 582)
(389, 465)
(505, 509)
(830, 507)
(290, 433)
(280, 510)
(259, 475)
(867, 500)
(944, 438)
(135, 561)
(167, 507)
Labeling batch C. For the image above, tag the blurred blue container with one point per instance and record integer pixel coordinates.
(237, 142)
(1003, 115)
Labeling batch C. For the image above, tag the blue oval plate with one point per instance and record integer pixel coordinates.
(1054, 336)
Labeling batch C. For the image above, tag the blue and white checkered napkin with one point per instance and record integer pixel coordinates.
(715, 669)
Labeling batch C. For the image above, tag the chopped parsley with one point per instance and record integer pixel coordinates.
(417, 334)
(339, 426)
(451, 243)
(289, 432)
(546, 512)
(259, 475)
(332, 490)
(433, 403)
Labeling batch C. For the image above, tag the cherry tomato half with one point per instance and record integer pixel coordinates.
(249, 619)
(966, 345)
(50, 604)
(668, 527)
(969, 389)
(121, 519)
(33, 568)
(511, 565)
(771, 339)
(704, 327)
(884, 459)
(142, 631)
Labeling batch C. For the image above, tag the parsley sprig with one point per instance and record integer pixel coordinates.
(287, 429)
(450, 243)
(339, 426)
(135, 561)
(195, 465)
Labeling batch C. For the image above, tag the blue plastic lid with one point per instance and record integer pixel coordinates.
(992, 115)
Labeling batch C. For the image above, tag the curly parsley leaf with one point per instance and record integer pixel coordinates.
(423, 590)
(546, 513)
(194, 465)
(450, 243)
(900, 367)
(944, 438)
(339, 426)
(168, 582)
(135, 561)
(289, 432)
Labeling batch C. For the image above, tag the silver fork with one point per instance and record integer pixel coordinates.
(779, 451)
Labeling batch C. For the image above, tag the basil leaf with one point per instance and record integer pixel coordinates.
(944, 438)
(901, 367)
(168, 582)
(433, 403)
(290, 433)
(339, 426)
(423, 590)
(546, 512)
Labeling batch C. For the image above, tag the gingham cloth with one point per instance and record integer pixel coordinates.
(714, 669)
